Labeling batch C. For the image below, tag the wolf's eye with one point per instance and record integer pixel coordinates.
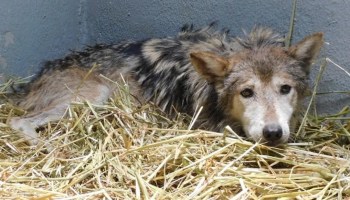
(247, 93)
(285, 89)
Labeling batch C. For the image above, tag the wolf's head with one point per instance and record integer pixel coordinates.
(260, 85)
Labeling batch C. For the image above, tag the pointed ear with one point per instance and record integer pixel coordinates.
(307, 49)
(210, 65)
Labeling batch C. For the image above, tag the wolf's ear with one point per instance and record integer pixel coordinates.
(210, 65)
(307, 49)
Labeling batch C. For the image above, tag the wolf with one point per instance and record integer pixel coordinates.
(252, 83)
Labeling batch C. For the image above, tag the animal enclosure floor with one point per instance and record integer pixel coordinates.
(123, 150)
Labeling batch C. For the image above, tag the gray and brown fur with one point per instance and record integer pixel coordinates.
(201, 67)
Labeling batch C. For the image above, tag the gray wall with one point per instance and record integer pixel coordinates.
(38, 30)
(41, 30)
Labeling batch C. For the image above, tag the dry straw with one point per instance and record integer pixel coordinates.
(125, 150)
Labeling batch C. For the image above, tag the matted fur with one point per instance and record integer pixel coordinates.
(202, 67)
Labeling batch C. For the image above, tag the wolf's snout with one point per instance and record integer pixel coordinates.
(272, 133)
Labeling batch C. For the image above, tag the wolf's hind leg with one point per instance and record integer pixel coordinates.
(26, 125)
(51, 95)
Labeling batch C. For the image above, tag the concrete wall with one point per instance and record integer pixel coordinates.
(38, 30)
(32, 32)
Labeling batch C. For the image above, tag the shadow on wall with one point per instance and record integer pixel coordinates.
(7, 39)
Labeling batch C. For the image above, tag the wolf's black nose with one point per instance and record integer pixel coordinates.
(272, 132)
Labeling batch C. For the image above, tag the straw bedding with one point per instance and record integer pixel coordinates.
(124, 150)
